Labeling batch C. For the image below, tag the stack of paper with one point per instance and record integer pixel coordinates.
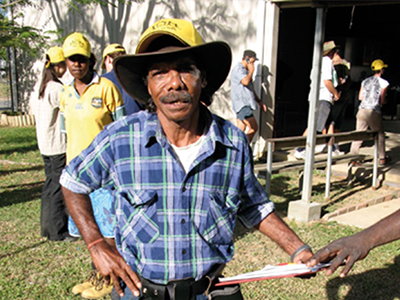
(270, 272)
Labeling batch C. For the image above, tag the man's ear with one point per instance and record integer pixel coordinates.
(146, 84)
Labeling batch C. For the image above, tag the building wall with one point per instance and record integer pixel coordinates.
(240, 23)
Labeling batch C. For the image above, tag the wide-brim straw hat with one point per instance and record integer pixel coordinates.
(214, 58)
(328, 47)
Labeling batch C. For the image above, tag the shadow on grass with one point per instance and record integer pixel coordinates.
(22, 250)
(21, 193)
(31, 168)
(18, 149)
(372, 284)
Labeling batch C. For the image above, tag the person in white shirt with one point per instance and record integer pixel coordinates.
(52, 147)
(372, 96)
(328, 94)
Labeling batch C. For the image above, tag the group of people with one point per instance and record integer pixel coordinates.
(333, 99)
(76, 112)
(174, 177)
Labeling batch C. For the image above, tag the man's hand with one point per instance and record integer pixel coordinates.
(336, 96)
(303, 257)
(250, 66)
(110, 264)
(347, 249)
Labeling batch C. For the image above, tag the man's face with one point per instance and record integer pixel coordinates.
(251, 60)
(175, 87)
(78, 66)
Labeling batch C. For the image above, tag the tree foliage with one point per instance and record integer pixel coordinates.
(30, 39)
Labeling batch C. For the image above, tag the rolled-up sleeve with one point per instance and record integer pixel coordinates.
(91, 169)
(256, 205)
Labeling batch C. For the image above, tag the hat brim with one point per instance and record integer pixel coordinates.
(215, 58)
(329, 50)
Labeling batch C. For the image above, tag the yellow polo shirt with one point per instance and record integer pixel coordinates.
(84, 116)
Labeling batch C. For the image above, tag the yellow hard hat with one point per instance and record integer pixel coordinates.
(75, 44)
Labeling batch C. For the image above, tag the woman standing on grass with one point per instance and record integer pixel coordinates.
(52, 147)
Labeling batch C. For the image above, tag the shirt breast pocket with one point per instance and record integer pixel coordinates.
(217, 226)
(141, 216)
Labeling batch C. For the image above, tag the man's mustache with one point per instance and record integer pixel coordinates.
(182, 96)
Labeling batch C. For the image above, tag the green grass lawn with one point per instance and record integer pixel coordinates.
(33, 268)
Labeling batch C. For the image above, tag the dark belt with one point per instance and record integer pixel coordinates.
(185, 289)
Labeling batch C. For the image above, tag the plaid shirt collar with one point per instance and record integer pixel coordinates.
(153, 131)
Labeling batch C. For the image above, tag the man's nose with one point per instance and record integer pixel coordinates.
(175, 80)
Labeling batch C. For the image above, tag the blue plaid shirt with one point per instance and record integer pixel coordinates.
(172, 225)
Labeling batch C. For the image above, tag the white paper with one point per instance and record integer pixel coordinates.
(276, 271)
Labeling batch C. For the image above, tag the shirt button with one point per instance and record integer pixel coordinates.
(183, 221)
(183, 251)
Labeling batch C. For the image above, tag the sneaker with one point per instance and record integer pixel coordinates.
(87, 284)
(300, 154)
(100, 290)
(336, 152)
(320, 148)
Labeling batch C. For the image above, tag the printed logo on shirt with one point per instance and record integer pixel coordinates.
(97, 102)
(78, 106)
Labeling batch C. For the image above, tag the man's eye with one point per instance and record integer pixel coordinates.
(156, 73)
(186, 69)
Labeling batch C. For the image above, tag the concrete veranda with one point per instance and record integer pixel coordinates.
(388, 174)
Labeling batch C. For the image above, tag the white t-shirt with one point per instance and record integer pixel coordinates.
(373, 87)
(187, 154)
(48, 123)
(328, 72)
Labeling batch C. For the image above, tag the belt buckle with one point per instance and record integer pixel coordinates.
(180, 289)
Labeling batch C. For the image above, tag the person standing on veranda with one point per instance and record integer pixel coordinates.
(372, 96)
(244, 98)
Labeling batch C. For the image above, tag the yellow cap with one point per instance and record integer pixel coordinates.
(112, 48)
(56, 55)
(75, 44)
(184, 31)
(378, 64)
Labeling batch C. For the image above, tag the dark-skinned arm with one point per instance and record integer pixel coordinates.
(107, 259)
(274, 227)
(356, 247)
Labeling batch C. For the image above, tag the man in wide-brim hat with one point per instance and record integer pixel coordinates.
(181, 176)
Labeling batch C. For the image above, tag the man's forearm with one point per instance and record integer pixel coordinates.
(383, 232)
(80, 208)
(273, 227)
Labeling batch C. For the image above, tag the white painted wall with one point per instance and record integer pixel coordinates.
(241, 23)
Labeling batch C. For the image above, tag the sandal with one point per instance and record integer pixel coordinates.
(384, 161)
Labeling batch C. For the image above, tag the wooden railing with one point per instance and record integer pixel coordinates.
(300, 141)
